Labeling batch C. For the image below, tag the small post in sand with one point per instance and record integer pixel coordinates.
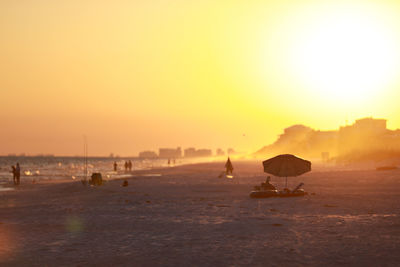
(85, 155)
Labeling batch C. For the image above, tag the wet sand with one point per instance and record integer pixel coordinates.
(187, 216)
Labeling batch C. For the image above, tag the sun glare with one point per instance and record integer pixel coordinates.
(346, 56)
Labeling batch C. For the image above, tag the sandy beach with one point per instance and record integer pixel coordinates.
(185, 215)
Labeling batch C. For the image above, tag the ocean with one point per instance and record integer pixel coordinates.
(47, 168)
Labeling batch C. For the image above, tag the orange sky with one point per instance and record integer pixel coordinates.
(138, 75)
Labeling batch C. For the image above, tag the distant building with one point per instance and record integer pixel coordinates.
(191, 152)
(204, 153)
(220, 152)
(375, 126)
(325, 156)
(170, 152)
(147, 154)
(364, 134)
(367, 136)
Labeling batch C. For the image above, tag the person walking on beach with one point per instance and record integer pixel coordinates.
(18, 173)
(126, 166)
(229, 166)
(115, 166)
(14, 174)
(130, 165)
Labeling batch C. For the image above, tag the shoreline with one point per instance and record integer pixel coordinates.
(217, 166)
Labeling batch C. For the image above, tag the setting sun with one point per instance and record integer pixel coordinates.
(140, 75)
(349, 54)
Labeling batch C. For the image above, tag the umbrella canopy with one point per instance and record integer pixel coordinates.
(286, 165)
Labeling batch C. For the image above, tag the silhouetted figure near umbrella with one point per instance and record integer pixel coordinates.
(115, 166)
(267, 185)
(228, 167)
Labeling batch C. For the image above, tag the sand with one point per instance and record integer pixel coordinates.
(185, 216)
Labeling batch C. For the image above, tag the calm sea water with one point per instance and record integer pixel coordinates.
(40, 168)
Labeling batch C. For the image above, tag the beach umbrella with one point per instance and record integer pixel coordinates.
(286, 165)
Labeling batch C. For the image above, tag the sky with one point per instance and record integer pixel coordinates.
(139, 75)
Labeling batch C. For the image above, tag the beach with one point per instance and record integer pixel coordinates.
(186, 215)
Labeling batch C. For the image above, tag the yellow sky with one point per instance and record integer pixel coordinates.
(137, 75)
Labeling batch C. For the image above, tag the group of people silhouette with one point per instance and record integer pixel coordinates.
(171, 162)
(127, 166)
(16, 171)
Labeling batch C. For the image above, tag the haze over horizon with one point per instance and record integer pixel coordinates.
(135, 76)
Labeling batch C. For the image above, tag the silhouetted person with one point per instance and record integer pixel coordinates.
(18, 173)
(228, 166)
(169, 162)
(14, 172)
(115, 166)
(267, 185)
(130, 165)
(126, 165)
